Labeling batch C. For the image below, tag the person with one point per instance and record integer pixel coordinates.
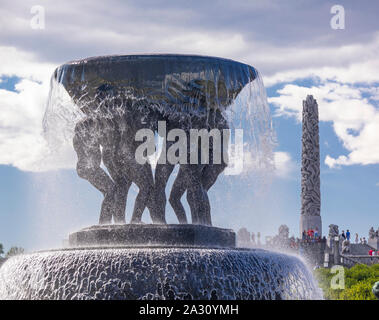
(356, 238)
(364, 240)
(343, 234)
(370, 252)
(309, 234)
(258, 238)
(253, 238)
(348, 234)
(304, 236)
(316, 233)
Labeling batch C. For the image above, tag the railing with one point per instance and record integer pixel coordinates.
(349, 260)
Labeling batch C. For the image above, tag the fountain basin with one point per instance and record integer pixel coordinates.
(184, 83)
(156, 273)
(174, 235)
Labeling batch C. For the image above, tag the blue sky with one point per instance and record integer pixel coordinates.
(293, 46)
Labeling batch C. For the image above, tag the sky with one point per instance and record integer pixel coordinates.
(293, 45)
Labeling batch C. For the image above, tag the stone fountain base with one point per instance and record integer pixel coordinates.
(171, 235)
(156, 273)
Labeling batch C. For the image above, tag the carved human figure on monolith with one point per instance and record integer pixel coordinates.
(345, 246)
(333, 231)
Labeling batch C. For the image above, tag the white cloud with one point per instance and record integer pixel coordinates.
(355, 119)
(20, 124)
(15, 62)
(21, 141)
(354, 63)
(284, 164)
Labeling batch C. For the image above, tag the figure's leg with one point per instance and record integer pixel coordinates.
(106, 209)
(139, 207)
(122, 184)
(178, 189)
(197, 196)
(87, 148)
(143, 178)
(101, 181)
(208, 178)
(121, 193)
(210, 174)
(162, 174)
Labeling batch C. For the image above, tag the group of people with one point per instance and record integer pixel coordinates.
(357, 240)
(347, 235)
(372, 252)
(311, 235)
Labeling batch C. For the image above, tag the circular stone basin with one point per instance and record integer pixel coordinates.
(184, 82)
(161, 235)
(145, 273)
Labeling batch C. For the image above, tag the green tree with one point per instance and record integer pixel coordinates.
(359, 281)
(14, 251)
(1, 249)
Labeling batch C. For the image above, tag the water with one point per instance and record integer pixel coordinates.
(145, 273)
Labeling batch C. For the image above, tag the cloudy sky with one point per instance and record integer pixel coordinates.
(291, 43)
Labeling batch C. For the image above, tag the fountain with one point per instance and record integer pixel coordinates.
(118, 104)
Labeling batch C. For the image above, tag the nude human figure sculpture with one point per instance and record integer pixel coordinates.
(198, 180)
(195, 178)
(108, 136)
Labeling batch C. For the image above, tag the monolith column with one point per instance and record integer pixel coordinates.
(310, 171)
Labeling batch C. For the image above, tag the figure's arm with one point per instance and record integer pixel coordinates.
(88, 150)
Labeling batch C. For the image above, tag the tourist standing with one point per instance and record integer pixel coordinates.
(348, 235)
(343, 234)
(316, 233)
(356, 238)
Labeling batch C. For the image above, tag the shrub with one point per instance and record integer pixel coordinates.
(359, 281)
